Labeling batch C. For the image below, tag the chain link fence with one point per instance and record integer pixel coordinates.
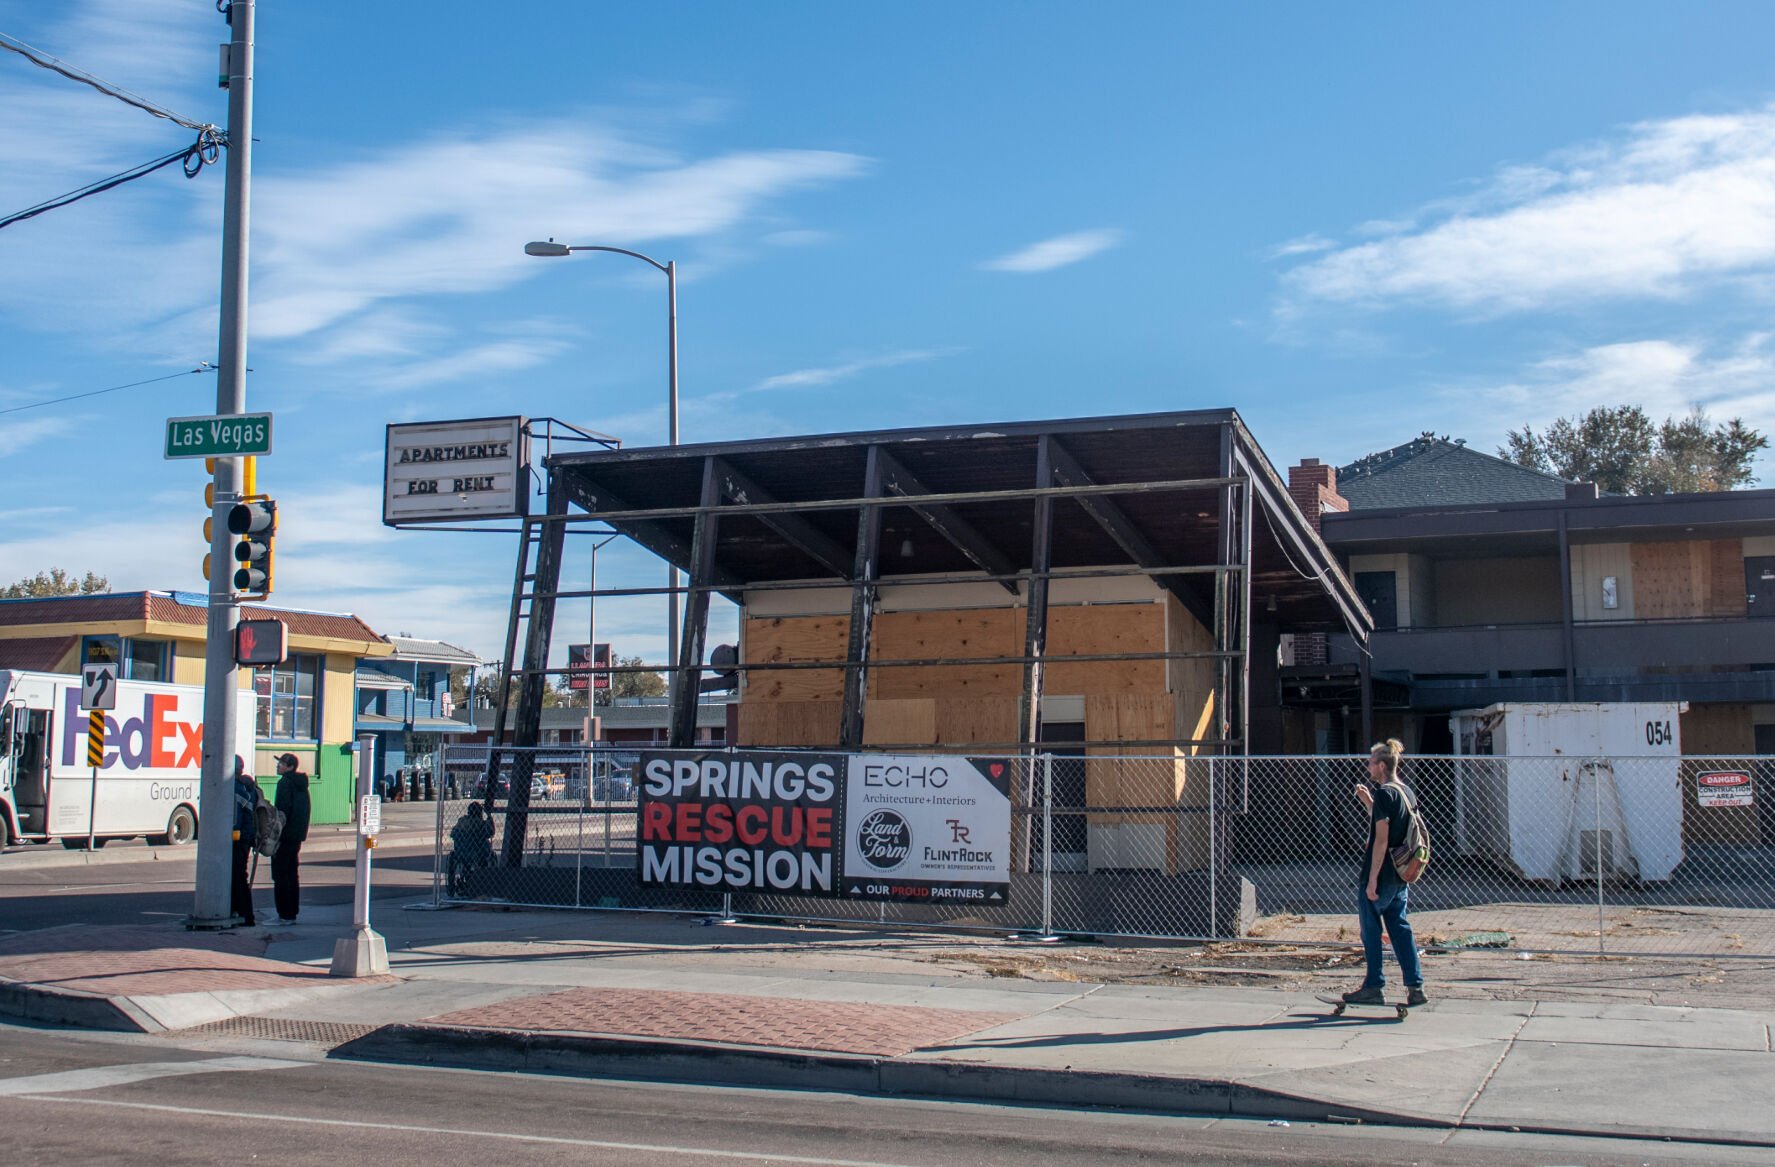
(1638, 856)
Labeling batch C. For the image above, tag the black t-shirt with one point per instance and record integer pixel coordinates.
(1390, 807)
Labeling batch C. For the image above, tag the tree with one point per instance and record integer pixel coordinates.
(631, 684)
(1620, 450)
(487, 693)
(55, 582)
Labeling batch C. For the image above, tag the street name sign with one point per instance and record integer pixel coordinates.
(235, 435)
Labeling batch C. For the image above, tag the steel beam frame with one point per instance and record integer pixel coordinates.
(682, 734)
(864, 572)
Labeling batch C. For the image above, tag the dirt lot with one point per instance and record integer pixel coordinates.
(1510, 973)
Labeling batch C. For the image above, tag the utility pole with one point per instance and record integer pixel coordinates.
(221, 681)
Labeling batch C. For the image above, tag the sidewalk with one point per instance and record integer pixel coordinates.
(658, 997)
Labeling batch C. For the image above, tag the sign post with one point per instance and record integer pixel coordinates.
(98, 692)
(364, 953)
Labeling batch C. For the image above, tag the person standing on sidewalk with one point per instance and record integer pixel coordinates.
(246, 797)
(292, 801)
(1384, 898)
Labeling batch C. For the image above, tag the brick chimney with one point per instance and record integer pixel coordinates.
(1313, 486)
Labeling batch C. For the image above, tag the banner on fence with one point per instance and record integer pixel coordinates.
(754, 820)
(927, 829)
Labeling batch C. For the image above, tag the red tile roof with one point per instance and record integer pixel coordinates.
(37, 653)
(169, 608)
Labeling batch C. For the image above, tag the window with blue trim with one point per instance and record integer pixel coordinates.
(137, 659)
(289, 699)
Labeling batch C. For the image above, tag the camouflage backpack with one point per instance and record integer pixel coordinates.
(268, 825)
(1412, 857)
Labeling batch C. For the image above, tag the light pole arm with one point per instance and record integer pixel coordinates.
(625, 251)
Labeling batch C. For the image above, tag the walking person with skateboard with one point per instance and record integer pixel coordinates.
(1384, 899)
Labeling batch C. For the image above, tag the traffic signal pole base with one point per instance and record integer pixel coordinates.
(362, 954)
(222, 924)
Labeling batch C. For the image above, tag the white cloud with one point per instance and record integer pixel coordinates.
(365, 232)
(1059, 251)
(1662, 210)
(1666, 378)
(828, 374)
(16, 434)
(1301, 245)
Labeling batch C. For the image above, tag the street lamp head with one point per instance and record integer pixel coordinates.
(549, 248)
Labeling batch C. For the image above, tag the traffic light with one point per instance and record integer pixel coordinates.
(255, 520)
(248, 487)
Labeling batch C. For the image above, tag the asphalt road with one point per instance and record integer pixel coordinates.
(88, 1098)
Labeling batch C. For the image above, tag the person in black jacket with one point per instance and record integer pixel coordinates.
(292, 801)
(246, 797)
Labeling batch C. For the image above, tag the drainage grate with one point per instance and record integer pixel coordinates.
(328, 1033)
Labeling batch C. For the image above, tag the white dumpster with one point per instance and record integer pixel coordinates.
(1558, 792)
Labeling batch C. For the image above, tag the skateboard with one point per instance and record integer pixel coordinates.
(1338, 1005)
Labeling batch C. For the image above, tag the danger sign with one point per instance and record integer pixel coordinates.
(1724, 788)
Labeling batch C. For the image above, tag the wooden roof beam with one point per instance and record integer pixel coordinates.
(1115, 522)
(585, 491)
(896, 479)
(794, 529)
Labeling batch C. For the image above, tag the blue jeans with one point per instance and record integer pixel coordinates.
(1390, 909)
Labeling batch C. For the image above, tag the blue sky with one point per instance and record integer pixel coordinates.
(1352, 225)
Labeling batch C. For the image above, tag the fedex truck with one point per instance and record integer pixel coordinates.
(149, 782)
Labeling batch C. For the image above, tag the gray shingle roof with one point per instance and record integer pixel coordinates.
(1433, 471)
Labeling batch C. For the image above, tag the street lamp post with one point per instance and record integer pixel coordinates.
(670, 268)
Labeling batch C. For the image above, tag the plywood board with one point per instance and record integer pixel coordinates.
(1101, 630)
(789, 723)
(900, 721)
(1726, 598)
(984, 633)
(794, 638)
(1670, 580)
(961, 720)
(1191, 681)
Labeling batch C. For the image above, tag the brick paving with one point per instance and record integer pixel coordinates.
(124, 962)
(727, 1019)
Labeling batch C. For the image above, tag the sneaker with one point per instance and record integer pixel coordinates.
(286, 920)
(1415, 996)
(1365, 996)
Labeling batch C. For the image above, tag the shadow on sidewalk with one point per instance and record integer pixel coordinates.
(1065, 1039)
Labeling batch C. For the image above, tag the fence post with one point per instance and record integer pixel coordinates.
(437, 846)
(1048, 847)
(579, 818)
(1596, 847)
(1213, 849)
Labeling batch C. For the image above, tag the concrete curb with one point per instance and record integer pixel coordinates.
(73, 1007)
(583, 1055)
(596, 1056)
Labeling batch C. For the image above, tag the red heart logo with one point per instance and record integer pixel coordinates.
(997, 769)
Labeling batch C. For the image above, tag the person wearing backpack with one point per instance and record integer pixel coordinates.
(246, 799)
(291, 801)
(1384, 901)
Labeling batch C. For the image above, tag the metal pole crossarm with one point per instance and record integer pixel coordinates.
(776, 666)
(628, 516)
(797, 585)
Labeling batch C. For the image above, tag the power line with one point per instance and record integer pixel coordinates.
(202, 367)
(37, 57)
(195, 157)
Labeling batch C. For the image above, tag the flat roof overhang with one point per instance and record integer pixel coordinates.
(790, 506)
